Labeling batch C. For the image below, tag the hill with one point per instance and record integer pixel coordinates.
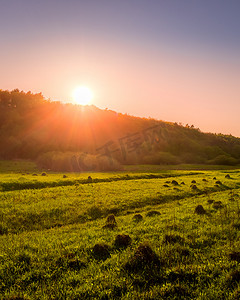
(72, 137)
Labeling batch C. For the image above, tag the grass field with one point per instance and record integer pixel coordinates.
(57, 240)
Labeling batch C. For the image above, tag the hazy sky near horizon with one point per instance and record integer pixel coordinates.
(172, 60)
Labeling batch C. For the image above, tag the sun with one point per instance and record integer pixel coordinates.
(82, 95)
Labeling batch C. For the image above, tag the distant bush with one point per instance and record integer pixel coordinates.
(161, 158)
(213, 151)
(223, 160)
(192, 158)
(104, 163)
(77, 162)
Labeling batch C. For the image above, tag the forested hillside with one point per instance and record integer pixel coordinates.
(66, 136)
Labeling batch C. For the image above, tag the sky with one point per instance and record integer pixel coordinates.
(172, 60)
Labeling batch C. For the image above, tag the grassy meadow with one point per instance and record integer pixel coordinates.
(143, 233)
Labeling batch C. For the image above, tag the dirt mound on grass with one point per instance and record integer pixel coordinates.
(137, 218)
(111, 219)
(90, 180)
(210, 201)
(122, 241)
(172, 239)
(144, 257)
(194, 187)
(200, 210)
(101, 251)
(233, 278)
(153, 213)
(217, 205)
(235, 255)
(109, 226)
(110, 222)
(76, 264)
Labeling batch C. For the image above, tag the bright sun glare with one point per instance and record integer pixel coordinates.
(82, 95)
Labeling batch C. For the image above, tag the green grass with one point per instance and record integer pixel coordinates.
(47, 236)
(10, 182)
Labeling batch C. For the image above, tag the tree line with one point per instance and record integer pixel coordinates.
(54, 134)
